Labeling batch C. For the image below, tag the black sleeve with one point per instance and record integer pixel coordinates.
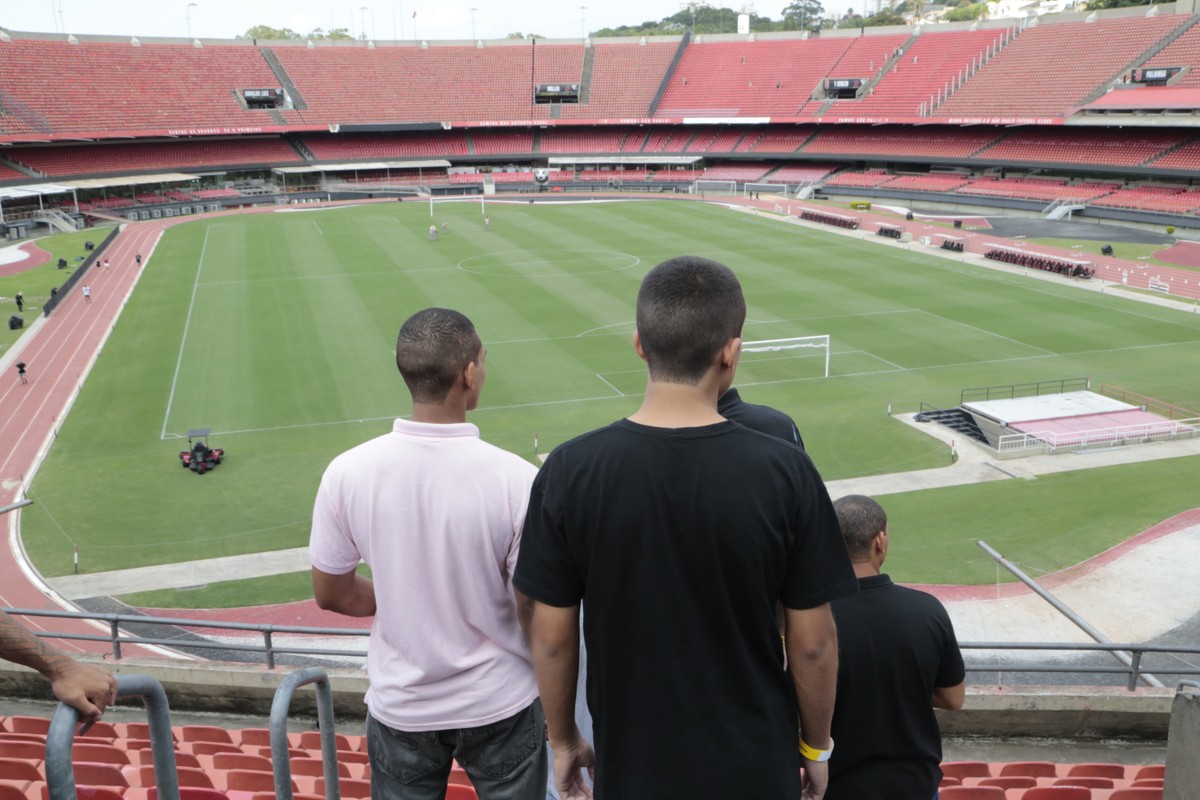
(818, 568)
(546, 571)
(952, 671)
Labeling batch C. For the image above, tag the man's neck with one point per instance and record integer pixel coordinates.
(678, 405)
(438, 413)
(865, 569)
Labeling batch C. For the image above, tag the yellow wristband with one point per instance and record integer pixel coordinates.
(810, 753)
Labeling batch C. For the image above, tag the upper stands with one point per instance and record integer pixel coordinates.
(932, 61)
(415, 84)
(625, 78)
(1183, 52)
(95, 86)
(759, 78)
(1047, 70)
(864, 59)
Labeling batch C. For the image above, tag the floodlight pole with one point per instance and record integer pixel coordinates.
(473, 12)
(187, 15)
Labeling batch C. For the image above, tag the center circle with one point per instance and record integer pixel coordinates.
(550, 263)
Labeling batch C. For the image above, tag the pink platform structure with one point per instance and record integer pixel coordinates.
(1083, 418)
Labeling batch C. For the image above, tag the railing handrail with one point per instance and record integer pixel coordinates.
(1167, 427)
(270, 649)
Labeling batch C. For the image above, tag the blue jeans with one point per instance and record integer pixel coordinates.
(505, 760)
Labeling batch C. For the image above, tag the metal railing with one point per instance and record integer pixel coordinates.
(270, 650)
(1014, 390)
(1106, 437)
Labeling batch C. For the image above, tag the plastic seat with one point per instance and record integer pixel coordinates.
(459, 775)
(247, 781)
(20, 769)
(349, 787)
(146, 756)
(88, 793)
(227, 761)
(194, 793)
(36, 738)
(30, 751)
(101, 730)
(97, 753)
(1034, 769)
(9, 791)
(1098, 770)
(1007, 782)
(143, 776)
(1151, 783)
(1151, 771)
(1058, 793)
(207, 748)
(253, 737)
(24, 724)
(972, 793)
(98, 775)
(311, 740)
(966, 769)
(1136, 793)
(204, 733)
(1090, 781)
(456, 791)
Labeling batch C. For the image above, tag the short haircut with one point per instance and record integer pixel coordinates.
(861, 520)
(433, 347)
(687, 309)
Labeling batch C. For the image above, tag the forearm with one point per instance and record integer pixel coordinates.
(813, 664)
(950, 698)
(351, 594)
(554, 646)
(21, 647)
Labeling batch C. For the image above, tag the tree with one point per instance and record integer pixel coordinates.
(1099, 5)
(269, 33)
(963, 13)
(336, 33)
(803, 14)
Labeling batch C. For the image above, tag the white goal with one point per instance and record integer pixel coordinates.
(714, 187)
(796, 343)
(765, 188)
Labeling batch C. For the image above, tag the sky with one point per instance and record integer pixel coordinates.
(436, 19)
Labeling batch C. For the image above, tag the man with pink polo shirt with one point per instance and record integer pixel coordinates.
(437, 515)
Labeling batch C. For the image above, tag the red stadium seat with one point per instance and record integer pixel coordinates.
(1138, 793)
(1034, 769)
(966, 769)
(457, 791)
(1057, 793)
(972, 793)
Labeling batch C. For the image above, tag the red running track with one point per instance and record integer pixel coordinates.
(58, 355)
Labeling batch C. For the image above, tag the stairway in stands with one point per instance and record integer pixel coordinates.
(956, 419)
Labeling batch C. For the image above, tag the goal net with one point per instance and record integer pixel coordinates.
(782, 354)
(765, 188)
(715, 187)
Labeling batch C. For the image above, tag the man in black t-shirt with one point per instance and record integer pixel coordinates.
(758, 418)
(679, 532)
(898, 660)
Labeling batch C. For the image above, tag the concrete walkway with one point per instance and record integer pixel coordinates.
(1153, 596)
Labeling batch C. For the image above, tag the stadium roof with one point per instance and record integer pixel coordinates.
(34, 190)
(128, 180)
(1164, 98)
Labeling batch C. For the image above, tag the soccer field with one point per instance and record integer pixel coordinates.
(277, 331)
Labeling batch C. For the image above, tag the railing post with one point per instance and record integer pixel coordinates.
(278, 731)
(269, 649)
(114, 630)
(60, 774)
(1135, 665)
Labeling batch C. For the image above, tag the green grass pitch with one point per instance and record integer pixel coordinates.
(277, 331)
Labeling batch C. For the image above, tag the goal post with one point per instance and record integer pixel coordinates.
(795, 343)
(765, 188)
(714, 187)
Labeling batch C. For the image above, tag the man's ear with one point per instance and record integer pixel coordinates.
(731, 353)
(637, 346)
(469, 375)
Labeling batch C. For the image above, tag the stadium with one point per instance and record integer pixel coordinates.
(971, 253)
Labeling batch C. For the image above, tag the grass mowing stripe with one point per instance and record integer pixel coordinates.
(291, 338)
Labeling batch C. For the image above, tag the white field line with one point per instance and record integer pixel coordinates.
(183, 342)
